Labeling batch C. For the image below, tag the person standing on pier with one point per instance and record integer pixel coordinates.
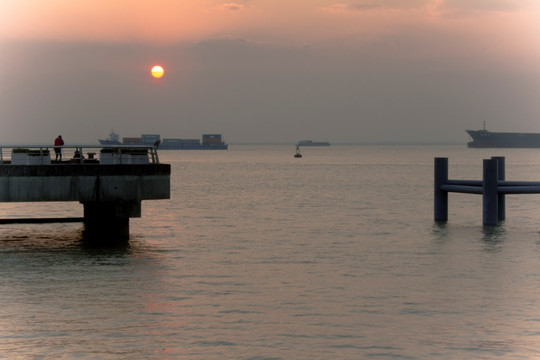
(57, 149)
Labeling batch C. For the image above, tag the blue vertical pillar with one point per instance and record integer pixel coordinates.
(489, 193)
(501, 201)
(440, 196)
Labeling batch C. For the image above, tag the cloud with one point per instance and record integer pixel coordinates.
(232, 6)
(443, 7)
(341, 7)
(380, 6)
(362, 7)
(468, 7)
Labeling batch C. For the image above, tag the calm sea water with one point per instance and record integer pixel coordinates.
(259, 255)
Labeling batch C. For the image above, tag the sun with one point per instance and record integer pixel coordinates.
(157, 71)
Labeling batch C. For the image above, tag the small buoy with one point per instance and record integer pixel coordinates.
(297, 155)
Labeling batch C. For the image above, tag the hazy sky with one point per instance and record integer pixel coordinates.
(268, 70)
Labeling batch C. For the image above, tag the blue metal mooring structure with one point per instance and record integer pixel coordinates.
(493, 187)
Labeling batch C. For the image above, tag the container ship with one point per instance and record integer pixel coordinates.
(488, 139)
(312, 143)
(209, 142)
(114, 139)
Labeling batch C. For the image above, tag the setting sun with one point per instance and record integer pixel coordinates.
(157, 71)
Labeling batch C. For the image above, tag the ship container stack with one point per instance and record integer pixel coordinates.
(213, 141)
(181, 144)
(150, 139)
(209, 142)
(132, 141)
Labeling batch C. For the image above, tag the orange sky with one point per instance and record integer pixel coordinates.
(277, 21)
(498, 27)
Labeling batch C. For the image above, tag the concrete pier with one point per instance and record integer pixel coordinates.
(110, 193)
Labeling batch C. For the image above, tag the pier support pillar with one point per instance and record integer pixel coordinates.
(489, 194)
(109, 221)
(501, 201)
(441, 197)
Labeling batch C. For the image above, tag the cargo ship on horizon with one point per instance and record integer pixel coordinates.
(209, 142)
(312, 143)
(488, 139)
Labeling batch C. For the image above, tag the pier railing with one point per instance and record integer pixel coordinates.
(78, 154)
(493, 188)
